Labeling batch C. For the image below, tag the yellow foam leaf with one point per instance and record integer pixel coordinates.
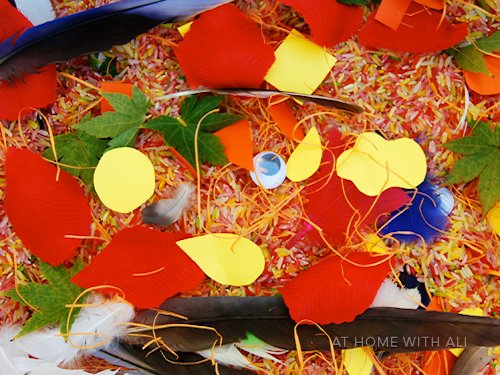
(306, 158)
(124, 179)
(494, 218)
(375, 244)
(226, 258)
(357, 361)
(184, 29)
(375, 164)
(472, 312)
(300, 65)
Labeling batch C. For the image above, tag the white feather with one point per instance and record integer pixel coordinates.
(259, 348)
(37, 11)
(228, 355)
(168, 211)
(391, 295)
(9, 350)
(51, 369)
(95, 326)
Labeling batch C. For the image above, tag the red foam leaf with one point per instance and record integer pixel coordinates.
(224, 48)
(334, 290)
(44, 211)
(145, 264)
(13, 21)
(417, 33)
(330, 21)
(34, 90)
(339, 207)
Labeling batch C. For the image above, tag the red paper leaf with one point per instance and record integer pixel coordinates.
(334, 290)
(417, 33)
(339, 206)
(43, 211)
(34, 90)
(224, 48)
(147, 265)
(330, 21)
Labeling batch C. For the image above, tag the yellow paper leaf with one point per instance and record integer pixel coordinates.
(375, 164)
(226, 258)
(472, 312)
(300, 65)
(494, 218)
(124, 179)
(357, 361)
(306, 158)
(184, 29)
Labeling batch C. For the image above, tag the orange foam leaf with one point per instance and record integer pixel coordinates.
(114, 87)
(391, 12)
(434, 4)
(440, 362)
(484, 84)
(237, 142)
(284, 117)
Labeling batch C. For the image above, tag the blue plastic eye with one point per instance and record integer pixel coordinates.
(445, 200)
(269, 170)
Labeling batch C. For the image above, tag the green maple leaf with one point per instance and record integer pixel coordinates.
(122, 125)
(180, 132)
(81, 151)
(50, 299)
(481, 160)
(471, 58)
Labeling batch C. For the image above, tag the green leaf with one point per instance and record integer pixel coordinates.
(470, 167)
(490, 43)
(125, 139)
(129, 115)
(471, 59)
(50, 299)
(180, 133)
(81, 151)
(489, 182)
(482, 159)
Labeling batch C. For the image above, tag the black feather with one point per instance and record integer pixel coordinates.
(93, 30)
(160, 362)
(268, 319)
(317, 99)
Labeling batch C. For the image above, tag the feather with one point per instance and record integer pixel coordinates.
(51, 369)
(37, 11)
(93, 30)
(396, 330)
(426, 215)
(317, 99)
(390, 295)
(228, 355)
(256, 346)
(472, 360)
(9, 350)
(95, 325)
(160, 362)
(168, 211)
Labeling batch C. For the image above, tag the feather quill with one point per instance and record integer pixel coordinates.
(472, 360)
(93, 30)
(317, 99)
(268, 319)
(168, 211)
